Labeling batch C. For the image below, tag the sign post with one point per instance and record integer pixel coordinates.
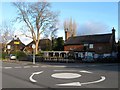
(33, 46)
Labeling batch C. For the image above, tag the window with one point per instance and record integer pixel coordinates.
(85, 44)
(91, 46)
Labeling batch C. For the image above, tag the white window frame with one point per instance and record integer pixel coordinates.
(91, 46)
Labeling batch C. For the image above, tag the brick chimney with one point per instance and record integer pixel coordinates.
(113, 39)
(113, 34)
(67, 34)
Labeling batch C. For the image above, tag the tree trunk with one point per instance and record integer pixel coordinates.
(36, 49)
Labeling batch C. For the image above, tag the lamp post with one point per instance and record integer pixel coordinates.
(33, 46)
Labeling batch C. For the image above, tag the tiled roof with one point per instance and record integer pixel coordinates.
(16, 40)
(42, 41)
(97, 38)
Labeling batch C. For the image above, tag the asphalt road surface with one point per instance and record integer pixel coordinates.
(59, 75)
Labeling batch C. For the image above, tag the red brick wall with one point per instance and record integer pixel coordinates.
(103, 48)
(68, 47)
(98, 47)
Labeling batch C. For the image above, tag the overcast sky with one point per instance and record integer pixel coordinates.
(91, 17)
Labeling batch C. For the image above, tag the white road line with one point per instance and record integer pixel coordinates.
(93, 65)
(79, 84)
(102, 79)
(35, 66)
(26, 66)
(43, 66)
(64, 70)
(31, 79)
(7, 67)
(74, 66)
(70, 84)
(83, 71)
(57, 66)
(18, 67)
(53, 66)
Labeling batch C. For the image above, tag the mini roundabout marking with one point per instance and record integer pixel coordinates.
(79, 84)
(35, 73)
(66, 75)
(69, 75)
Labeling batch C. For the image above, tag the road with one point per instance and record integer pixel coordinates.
(59, 75)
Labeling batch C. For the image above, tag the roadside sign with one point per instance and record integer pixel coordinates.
(33, 46)
(16, 42)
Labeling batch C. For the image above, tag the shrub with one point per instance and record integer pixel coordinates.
(40, 54)
(19, 54)
(4, 55)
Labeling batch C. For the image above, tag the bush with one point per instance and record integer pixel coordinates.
(40, 54)
(4, 55)
(19, 54)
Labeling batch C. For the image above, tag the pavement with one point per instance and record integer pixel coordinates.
(24, 74)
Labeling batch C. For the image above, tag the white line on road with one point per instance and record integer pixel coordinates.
(102, 79)
(63, 70)
(70, 84)
(7, 67)
(53, 66)
(79, 84)
(57, 66)
(83, 71)
(44, 66)
(31, 79)
(26, 66)
(18, 67)
(35, 66)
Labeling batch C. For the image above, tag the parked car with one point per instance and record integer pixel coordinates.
(12, 57)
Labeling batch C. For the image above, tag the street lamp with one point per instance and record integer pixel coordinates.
(33, 46)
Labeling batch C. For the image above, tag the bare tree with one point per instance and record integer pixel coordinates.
(74, 28)
(71, 26)
(7, 34)
(38, 18)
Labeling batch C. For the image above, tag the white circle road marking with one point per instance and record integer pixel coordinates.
(66, 75)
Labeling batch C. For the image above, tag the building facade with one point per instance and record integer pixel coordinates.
(98, 43)
(15, 45)
(44, 45)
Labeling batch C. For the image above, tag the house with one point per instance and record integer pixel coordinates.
(15, 45)
(1, 46)
(97, 44)
(44, 44)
